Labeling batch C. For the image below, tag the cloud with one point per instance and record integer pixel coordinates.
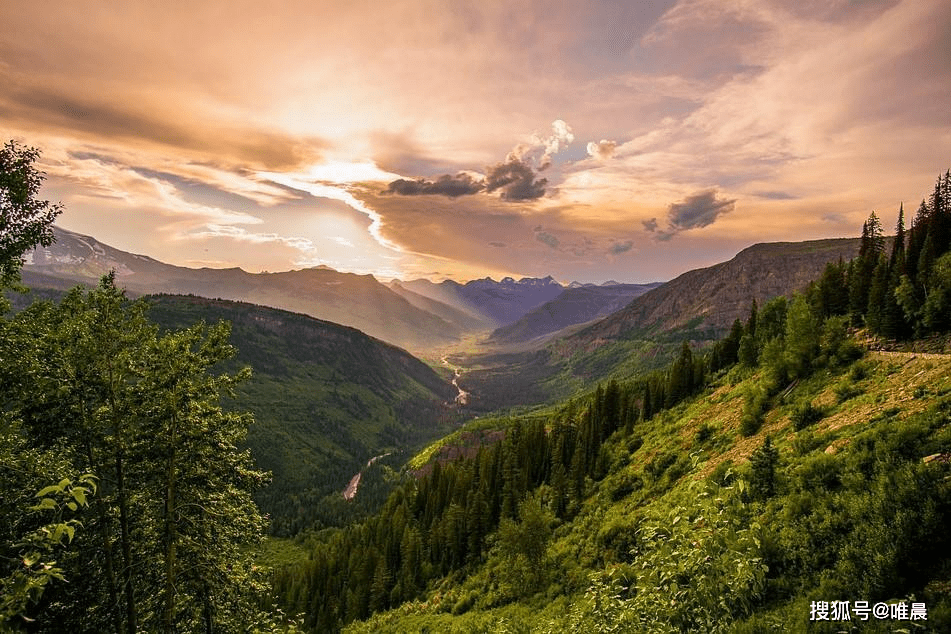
(499, 245)
(698, 210)
(561, 136)
(138, 124)
(775, 195)
(516, 180)
(620, 247)
(603, 149)
(694, 212)
(461, 184)
(546, 238)
(538, 151)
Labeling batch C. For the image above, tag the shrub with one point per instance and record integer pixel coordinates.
(805, 415)
(751, 424)
(704, 433)
(846, 390)
(858, 372)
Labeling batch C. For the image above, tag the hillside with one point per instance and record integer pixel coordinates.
(575, 306)
(810, 472)
(698, 306)
(712, 298)
(466, 321)
(325, 399)
(354, 300)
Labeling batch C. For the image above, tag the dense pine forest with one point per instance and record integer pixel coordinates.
(783, 466)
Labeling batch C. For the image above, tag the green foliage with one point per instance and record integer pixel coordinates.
(697, 566)
(802, 338)
(648, 549)
(846, 390)
(755, 406)
(836, 346)
(936, 312)
(806, 414)
(168, 535)
(704, 433)
(763, 466)
(325, 399)
(24, 220)
(32, 566)
(523, 543)
(908, 293)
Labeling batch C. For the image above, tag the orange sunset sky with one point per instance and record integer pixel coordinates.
(589, 141)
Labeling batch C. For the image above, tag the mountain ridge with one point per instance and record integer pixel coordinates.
(713, 297)
(574, 306)
(349, 299)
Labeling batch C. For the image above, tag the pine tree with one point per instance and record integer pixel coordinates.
(763, 463)
(898, 247)
(876, 297)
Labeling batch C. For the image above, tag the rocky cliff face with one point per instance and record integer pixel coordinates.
(712, 298)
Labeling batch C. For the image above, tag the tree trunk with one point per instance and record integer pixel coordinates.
(171, 537)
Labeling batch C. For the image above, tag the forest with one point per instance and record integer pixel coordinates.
(782, 466)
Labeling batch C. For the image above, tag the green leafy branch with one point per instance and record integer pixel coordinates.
(35, 568)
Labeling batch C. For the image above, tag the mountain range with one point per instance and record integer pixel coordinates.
(492, 303)
(562, 338)
(698, 306)
(576, 305)
(418, 315)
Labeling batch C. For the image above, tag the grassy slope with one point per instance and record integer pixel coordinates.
(882, 393)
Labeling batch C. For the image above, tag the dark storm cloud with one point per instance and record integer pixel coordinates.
(696, 211)
(516, 180)
(445, 185)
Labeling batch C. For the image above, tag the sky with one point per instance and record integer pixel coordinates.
(625, 140)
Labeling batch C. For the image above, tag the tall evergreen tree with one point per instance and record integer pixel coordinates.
(898, 247)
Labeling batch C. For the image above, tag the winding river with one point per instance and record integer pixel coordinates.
(462, 398)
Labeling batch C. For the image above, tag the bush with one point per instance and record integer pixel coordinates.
(845, 391)
(858, 372)
(704, 433)
(751, 424)
(805, 415)
(754, 410)
(723, 475)
(807, 442)
(629, 483)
